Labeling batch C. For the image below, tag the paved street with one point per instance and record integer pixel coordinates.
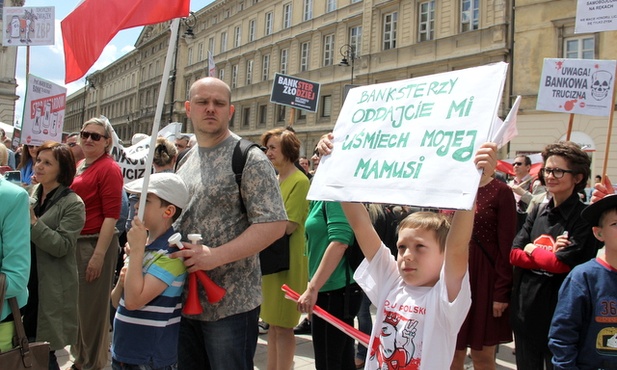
(304, 355)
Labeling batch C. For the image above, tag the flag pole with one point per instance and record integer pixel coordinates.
(570, 122)
(173, 38)
(609, 132)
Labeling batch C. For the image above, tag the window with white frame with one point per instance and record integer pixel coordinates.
(326, 106)
(470, 15)
(237, 36)
(234, 76)
(308, 10)
(268, 20)
(265, 67)
(389, 30)
(200, 52)
(282, 113)
(251, 30)
(284, 55)
(249, 72)
(580, 47)
(223, 42)
(355, 39)
(426, 20)
(222, 74)
(304, 56)
(287, 15)
(330, 6)
(328, 50)
(211, 44)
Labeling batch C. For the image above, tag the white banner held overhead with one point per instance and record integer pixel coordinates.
(28, 26)
(595, 16)
(579, 86)
(44, 109)
(412, 141)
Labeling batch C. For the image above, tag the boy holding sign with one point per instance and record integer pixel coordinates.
(423, 296)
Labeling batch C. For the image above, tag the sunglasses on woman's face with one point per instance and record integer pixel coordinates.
(95, 137)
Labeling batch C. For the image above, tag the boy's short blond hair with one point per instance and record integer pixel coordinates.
(436, 222)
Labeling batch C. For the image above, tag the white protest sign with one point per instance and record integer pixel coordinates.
(44, 110)
(581, 86)
(595, 16)
(412, 141)
(506, 130)
(28, 26)
(132, 160)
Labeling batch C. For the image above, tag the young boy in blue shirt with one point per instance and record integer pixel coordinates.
(583, 333)
(149, 294)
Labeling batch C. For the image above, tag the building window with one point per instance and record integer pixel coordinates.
(249, 72)
(287, 15)
(355, 39)
(200, 52)
(330, 6)
(308, 10)
(328, 50)
(582, 47)
(283, 68)
(251, 30)
(470, 15)
(326, 106)
(268, 29)
(300, 115)
(211, 44)
(265, 67)
(282, 113)
(389, 30)
(222, 74)
(263, 115)
(304, 56)
(237, 36)
(426, 20)
(246, 117)
(234, 76)
(223, 42)
(190, 56)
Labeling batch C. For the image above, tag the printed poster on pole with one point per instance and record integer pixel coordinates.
(28, 26)
(44, 110)
(595, 16)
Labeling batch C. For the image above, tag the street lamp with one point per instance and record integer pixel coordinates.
(87, 86)
(189, 22)
(348, 52)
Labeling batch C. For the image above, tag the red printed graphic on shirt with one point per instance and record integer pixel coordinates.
(546, 242)
(395, 348)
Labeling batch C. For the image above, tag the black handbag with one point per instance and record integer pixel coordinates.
(275, 258)
(24, 355)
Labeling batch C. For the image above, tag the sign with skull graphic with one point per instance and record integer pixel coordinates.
(581, 86)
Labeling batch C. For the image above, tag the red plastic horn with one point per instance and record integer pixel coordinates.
(214, 293)
(192, 306)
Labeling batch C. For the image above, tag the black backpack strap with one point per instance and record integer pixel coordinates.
(238, 160)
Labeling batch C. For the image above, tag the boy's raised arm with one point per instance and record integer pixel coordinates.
(457, 242)
(360, 222)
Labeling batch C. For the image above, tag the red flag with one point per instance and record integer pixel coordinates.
(90, 27)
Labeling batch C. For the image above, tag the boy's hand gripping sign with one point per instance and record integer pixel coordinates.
(413, 142)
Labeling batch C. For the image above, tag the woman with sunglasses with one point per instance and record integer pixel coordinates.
(99, 183)
(553, 240)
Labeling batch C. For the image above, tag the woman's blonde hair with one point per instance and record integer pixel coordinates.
(4, 155)
(104, 123)
(164, 152)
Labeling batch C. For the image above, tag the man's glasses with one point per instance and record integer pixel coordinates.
(95, 137)
(556, 172)
(517, 164)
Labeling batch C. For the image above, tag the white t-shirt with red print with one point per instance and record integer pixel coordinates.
(415, 327)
